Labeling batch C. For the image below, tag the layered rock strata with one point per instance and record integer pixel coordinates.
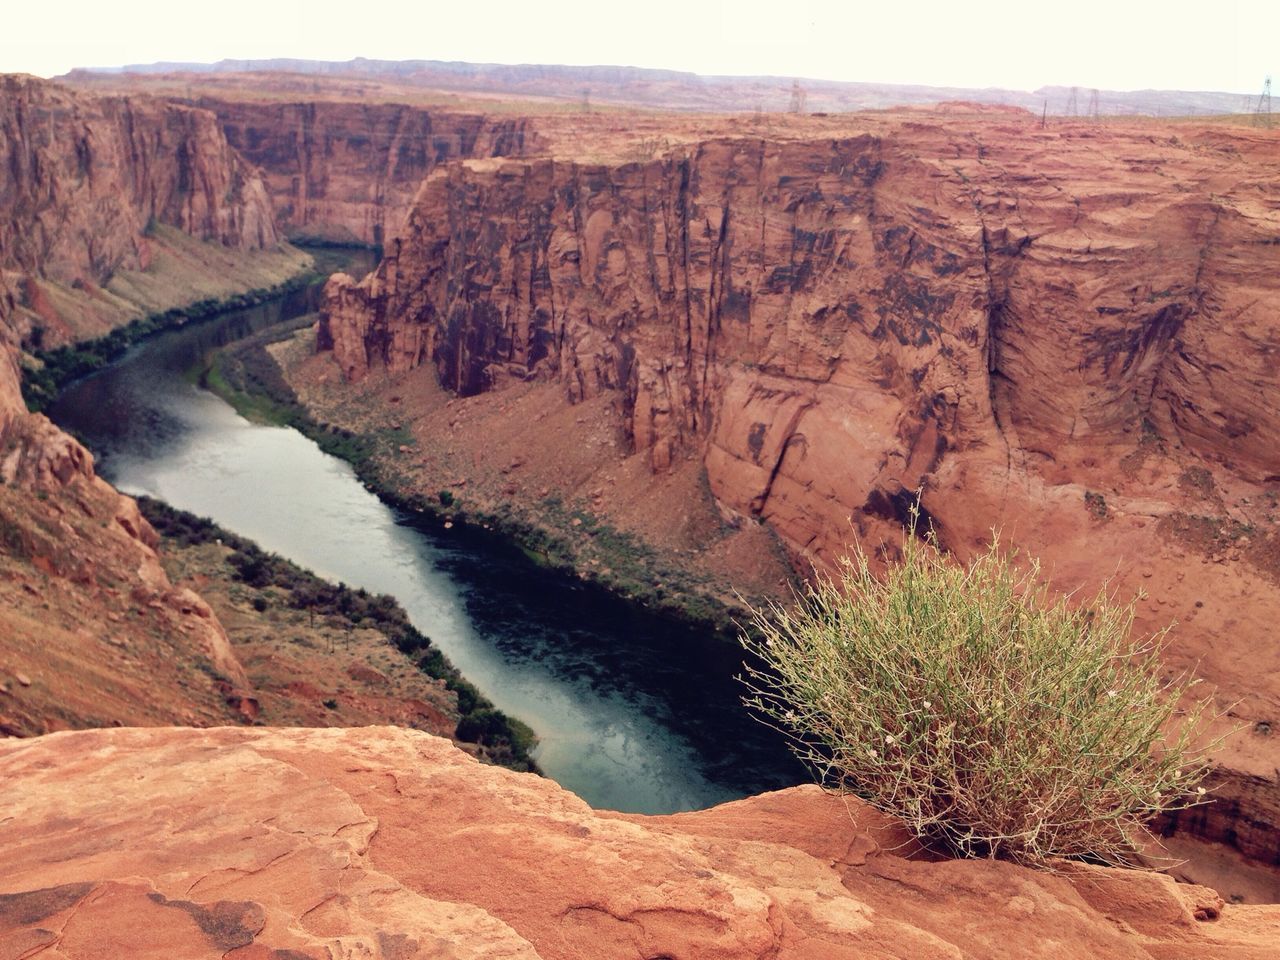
(1068, 334)
(388, 843)
(89, 179)
(93, 188)
(348, 172)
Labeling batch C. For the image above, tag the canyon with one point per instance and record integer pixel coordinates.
(1064, 336)
(116, 208)
(746, 343)
(112, 203)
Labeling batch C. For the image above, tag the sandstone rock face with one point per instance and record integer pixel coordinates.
(386, 843)
(950, 274)
(84, 601)
(1068, 334)
(87, 176)
(349, 171)
(11, 404)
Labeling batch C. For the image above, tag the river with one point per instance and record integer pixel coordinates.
(632, 712)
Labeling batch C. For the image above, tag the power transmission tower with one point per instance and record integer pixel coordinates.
(1073, 103)
(586, 99)
(797, 98)
(1262, 112)
(1093, 106)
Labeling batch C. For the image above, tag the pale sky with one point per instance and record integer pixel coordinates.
(1226, 45)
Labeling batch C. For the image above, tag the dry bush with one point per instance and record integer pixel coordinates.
(993, 718)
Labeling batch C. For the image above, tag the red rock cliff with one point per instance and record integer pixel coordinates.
(87, 175)
(349, 171)
(1068, 333)
(89, 180)
(84, 177)
(960, 282)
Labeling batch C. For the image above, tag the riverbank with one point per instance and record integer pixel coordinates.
(321, 654)
(249, 588)
(178, 270)
(47, 371)
(632, 710)
(472, 466)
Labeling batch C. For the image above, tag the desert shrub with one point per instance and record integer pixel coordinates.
(991, 717)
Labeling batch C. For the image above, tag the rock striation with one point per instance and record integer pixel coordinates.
(89, 178)
(386, 843)
(348, 172)
(957, 276)
(89, 183)
(1067, 333)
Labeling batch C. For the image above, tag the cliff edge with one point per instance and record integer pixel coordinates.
(387, 843)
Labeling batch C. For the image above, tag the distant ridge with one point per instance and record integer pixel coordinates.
(676, 90)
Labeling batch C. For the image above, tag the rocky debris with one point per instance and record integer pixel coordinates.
(386, 843)
(73, 553)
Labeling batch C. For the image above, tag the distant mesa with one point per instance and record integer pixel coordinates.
(675, 90)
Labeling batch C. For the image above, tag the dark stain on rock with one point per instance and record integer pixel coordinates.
(32, 906)
(911, 311)
(896, 507)
(397, 946)
(755, 440)
(228, 924)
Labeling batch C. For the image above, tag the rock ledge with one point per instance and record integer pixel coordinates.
(388, 843)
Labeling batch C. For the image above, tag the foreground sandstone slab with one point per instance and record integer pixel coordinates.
(385, 842)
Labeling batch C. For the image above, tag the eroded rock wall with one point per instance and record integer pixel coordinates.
(348, 172)
(949, 287)
(1066, 334)
(86, 176)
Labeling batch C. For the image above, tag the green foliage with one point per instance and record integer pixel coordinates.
(55, 369)
(993, 718)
